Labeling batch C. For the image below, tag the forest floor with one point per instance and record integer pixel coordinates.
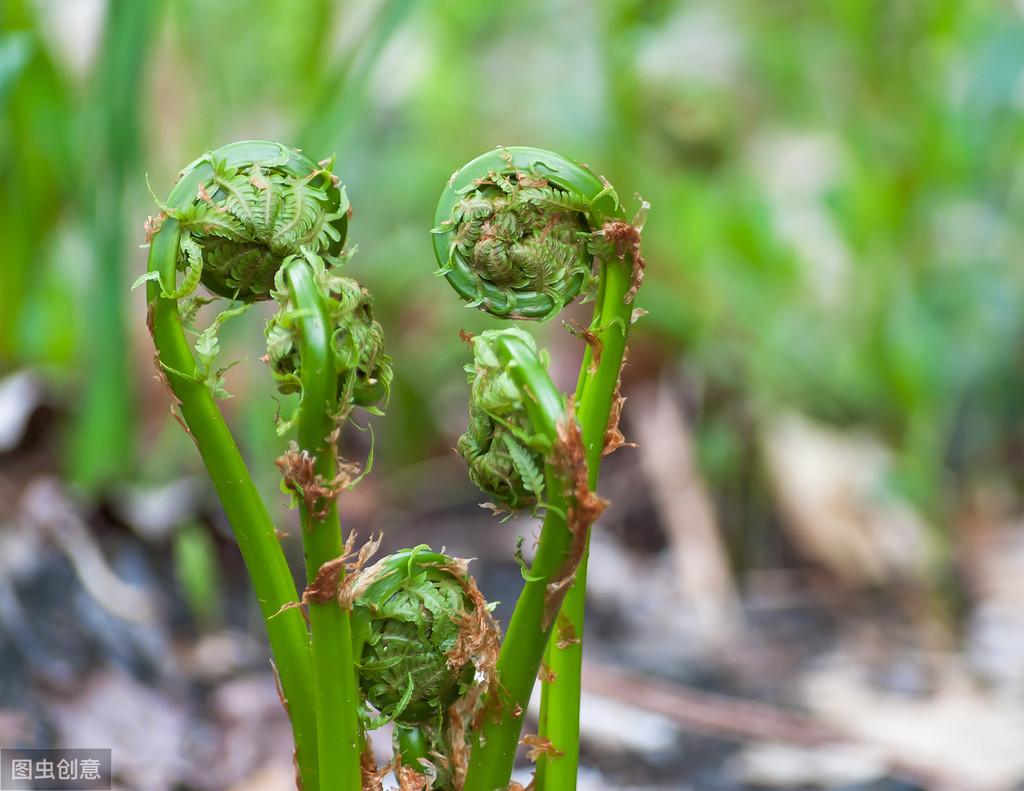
(785, 679)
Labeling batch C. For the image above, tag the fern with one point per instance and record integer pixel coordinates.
(526, 465)
(244, 221)
(207, 348)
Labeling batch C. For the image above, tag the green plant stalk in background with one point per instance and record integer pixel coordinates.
(336, 691)
(595, 393)
(35, 187)
(343, 87)
(101, 447)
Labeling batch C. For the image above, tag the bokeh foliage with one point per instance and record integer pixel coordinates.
(837, 193)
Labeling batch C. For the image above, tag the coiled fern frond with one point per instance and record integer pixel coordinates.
(513, 231)
(244, 215)
(422, 634)
(520, 233)
(504, 454)
(357, 341)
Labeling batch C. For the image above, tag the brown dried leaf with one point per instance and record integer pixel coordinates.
(357, 580)
(411, 780)
(324, 587)
(176, 414)
(626, 239)
(152, 225)
(161, 377)
(555, 593)
(372, 776)
(161, 374)
(479, 642)
(539, 746)
(592, 340)
(329, 584)
(527, 181)
(566, 633)
(439, 760)
(458, 746)
(280, 689)
(613, 436)
(297, 467)
(585, 507)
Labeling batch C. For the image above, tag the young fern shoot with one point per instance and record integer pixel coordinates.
(505, 458)
(542, 417)
(520, 233)
(426, 646)
(408, 640)
(253, 221)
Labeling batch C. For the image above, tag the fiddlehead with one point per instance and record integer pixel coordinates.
(516, 231)
(243, 216)
(357, 341)
(252, 221)
(175, 244)
(520, 233)
(504, 454)
(425, 646)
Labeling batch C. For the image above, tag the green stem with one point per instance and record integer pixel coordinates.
(521, 653)
(412, 746)
(560, 699)
(343, 89)
(257, 540)
(101, 447)
(494, 748)
(336, 697)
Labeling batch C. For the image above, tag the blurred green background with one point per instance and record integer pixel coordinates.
(826, 388)
(836, 185)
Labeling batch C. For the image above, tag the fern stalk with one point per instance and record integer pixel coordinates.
(595, 393)
(336, 698)
(233, 214)
(257, 539)
(494, 746)
(518, 232)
